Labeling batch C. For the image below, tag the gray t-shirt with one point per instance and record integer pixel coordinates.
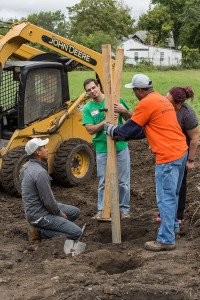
(187, 119)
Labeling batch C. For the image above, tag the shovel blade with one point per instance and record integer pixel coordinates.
(74, 247)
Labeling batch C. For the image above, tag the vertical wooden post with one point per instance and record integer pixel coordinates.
(106, 200)
(118, 77)
(115, 98)
(111, 144)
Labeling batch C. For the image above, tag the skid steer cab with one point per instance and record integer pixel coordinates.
(34, 102)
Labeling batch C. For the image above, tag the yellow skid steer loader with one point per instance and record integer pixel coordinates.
(35, 102)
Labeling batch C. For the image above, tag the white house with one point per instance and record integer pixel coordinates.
(135, 51)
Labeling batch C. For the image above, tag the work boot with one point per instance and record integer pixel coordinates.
(33, 234)
(157, 246)
(125, 215)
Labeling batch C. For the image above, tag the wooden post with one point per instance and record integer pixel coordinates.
(118, 77)
(111, 144)
(106, 200)
(116, 99)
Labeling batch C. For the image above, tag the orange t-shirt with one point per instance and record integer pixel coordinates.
(163, 132)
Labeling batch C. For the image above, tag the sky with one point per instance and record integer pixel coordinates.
(22, 8)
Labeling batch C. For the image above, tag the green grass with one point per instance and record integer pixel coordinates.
(162, 82)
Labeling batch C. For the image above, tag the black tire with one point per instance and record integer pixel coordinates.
(10, 171)
(73, 162)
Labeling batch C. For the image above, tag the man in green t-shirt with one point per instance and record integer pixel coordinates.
(94, 120)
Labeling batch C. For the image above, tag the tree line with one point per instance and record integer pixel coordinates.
(94, 22)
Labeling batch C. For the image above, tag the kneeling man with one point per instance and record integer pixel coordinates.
(45, 216)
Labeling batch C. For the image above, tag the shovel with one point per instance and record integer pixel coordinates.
(75, 247)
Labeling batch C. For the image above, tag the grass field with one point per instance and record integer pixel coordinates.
(162, 82)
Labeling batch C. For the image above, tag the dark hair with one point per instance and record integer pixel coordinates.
(180, 94)
(87, 81)
(144, 89)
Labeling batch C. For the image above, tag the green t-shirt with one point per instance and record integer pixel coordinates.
(91, 115)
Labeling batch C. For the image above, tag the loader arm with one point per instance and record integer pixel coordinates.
(24, 52)
(35, 102)
(24, 31)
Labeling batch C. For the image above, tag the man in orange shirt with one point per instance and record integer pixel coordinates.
(155, 117)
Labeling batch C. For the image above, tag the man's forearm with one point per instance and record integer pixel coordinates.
(127, 115)
(94, 128)
(119, 108)
(130, 131)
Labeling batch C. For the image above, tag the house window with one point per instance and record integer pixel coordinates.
(162, 54)
(136, 55)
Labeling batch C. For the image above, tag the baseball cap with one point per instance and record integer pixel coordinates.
(139, 81)
(33, 144)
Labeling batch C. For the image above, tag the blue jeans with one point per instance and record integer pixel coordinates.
(123, 169)
(52, 225)
(168, 182)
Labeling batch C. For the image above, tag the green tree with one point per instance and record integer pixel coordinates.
(175, 8)
(4, 28)
(190, 56)
(109, 16)
(94, 40)
(53, 21)
(5, 25)
(190, 30)
(158, 23)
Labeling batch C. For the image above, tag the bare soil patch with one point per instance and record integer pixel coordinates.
(104, 271)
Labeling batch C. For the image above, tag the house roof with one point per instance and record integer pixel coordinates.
(141, 35)
(133, 44)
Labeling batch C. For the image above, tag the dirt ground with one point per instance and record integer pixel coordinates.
(105, 270)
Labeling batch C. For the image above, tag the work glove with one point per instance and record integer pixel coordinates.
(109, 128)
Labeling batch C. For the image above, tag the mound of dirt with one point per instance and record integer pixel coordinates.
(104, 270)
